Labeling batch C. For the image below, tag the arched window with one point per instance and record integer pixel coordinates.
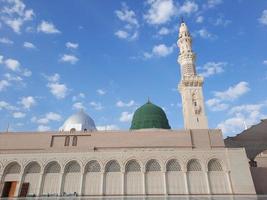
(74, 141)
(52, 167)
(67, 141)
(173, 165)
(214, 165)
(133, 166)
(72, 130)
(13, 168)
(153, 166)
(93, 166)
(113, 166)
(32, 168)
(193, 165)
(72, 167)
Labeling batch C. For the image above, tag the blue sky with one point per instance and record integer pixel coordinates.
(108, 57)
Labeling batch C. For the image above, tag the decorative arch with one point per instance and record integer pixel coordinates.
(51, 178)
(32, 175)
(194, 165)
(72, 178)
(217, 177)
(113, 166)
(92, 178)
(12, 167)
(215, 165)
(196, 177)
(113, 178)
(154, 177)
(153, 165)
(133, 178)
(175, 177)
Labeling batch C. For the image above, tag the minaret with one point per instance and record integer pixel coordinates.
(190, 85)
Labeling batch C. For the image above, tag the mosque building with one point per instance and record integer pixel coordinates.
(149, 159)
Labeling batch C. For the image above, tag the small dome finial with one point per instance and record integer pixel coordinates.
(182, 19)
(148, 100)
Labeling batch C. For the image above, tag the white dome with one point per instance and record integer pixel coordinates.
(79, 122)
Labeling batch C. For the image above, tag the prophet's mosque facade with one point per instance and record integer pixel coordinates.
(149, 159)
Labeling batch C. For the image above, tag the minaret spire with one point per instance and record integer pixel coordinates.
(190, 85)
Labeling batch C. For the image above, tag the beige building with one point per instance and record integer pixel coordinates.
(149, 159)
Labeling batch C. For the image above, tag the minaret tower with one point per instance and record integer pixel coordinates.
(190, 85)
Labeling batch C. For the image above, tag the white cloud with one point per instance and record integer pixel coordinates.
(122, 104)
(12, 64)
(78, 106)
(188, 8)
(26, 72)
(71, 45)
(126, 117)
(47, 27)
(216, 105)
(213, 3)
(19, 115)
(43, 128)
(96, 105)
(1, 59)
(212, 68)
(5, 105)
(263, 18)
(28, 102)
(4, 84)
(79, 96)
(160, 11)
(127, 15)
(121, 34)
(233, 92)
(58, 90)
(72, 59)
(242, 116)
(5, 40)
(15, 15)
(50, 116)
(101, 92)
(265, 62)
(221, 21)
(107, 127)
(29, 45)
(130, 30)
(12, 77)
(199, 19)
(160, 50)
(53, 78)
(164, 31)
(204, 33)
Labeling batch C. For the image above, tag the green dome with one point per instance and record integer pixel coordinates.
(149, 116)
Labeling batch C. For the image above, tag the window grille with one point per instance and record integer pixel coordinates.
(93, 166)
(53, 167)
(133, 166)
(14, 168)
(113, 166)
(173, 165)
(33, 168)
(72, 167)
(74, 141)
(153, 166)
(193, 165)
(214, 165)
(67, 141)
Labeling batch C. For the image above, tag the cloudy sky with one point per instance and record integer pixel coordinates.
(108, 57)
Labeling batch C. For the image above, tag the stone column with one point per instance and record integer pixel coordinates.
(207, 182)
(40, 184)
(186, 182)
(144, 182)
(122, 183)
(1, 183)
(228, 176)
(81, 184)
(165, 183)
(61, 177)
(19, 185)
(102, 183)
